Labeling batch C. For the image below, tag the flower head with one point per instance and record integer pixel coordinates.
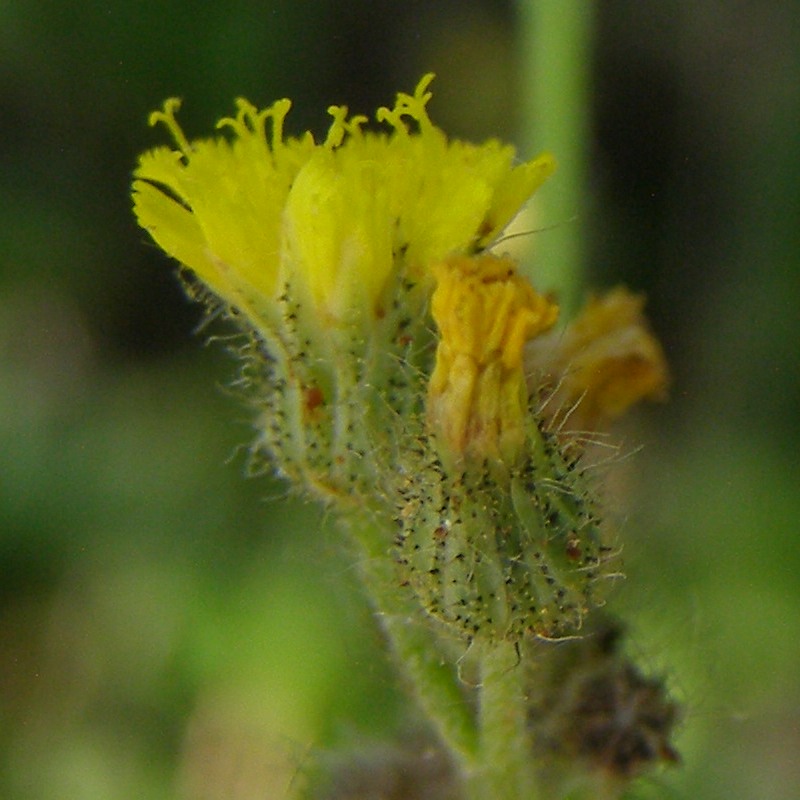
(327, 253)
(486, 312)
(338, 258)
(256, 211)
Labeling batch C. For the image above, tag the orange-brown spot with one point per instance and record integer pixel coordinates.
(574, 548)
(312, 399)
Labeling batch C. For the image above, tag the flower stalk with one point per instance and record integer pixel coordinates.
(505, 739)
(434, 680)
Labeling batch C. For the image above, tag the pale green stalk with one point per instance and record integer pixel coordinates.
(434, 680)
(490, 743)
(506, 767)
(555, 47)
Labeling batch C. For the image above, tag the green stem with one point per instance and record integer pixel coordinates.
(506, 770)
(433, 678)
(556, 60)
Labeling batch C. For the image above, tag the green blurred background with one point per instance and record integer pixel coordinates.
(169, 629)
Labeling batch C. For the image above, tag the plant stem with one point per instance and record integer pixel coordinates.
(556, 61)
(433, 678)
(493, 750)
(506, 768)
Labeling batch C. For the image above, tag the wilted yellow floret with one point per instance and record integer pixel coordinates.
(253, 213)
(604, 362)
(486, 312)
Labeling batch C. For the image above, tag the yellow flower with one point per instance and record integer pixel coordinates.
(326, 252)
(603, 363)
(486, 312)
(335, 223)
(334, 256)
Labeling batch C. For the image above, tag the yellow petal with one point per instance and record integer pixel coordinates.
(510, 195)
(175, 229)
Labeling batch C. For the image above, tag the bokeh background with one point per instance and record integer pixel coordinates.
(169, 629)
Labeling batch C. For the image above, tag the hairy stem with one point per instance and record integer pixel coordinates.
(433, 677)
(506, 769)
